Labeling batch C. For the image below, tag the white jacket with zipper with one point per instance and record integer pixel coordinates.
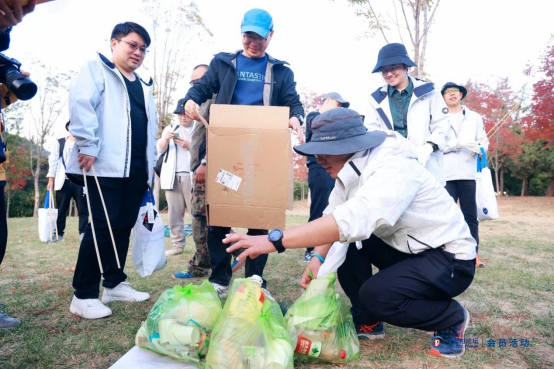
(458, 165)
(428, 120)
(399, 201)
(169, 166)
(100, 114)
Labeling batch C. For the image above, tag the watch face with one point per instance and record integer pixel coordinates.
(275, 235)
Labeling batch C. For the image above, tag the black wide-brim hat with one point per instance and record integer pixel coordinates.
(339, 131)
(393, 54)
(452, 84)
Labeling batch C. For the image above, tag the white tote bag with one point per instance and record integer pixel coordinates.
(485, 196)
(47, 218)
(148, 238)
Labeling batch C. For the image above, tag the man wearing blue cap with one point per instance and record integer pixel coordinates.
(246, 77)
(386, 210)
(411, 107)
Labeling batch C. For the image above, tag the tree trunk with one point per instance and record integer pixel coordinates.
(501, 190)
(524, 187)
(8, 203)
(36, 176)
(550, 189)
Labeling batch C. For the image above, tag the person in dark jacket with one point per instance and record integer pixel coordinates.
(245, 77)
(8, 19)
(319, 181)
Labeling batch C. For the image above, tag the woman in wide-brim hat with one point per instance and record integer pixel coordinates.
(385, 210)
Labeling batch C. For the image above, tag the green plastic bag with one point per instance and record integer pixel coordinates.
(180, 323)
(321, 325)
(250, 333)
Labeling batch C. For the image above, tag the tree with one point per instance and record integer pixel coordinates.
(417, 18)
(495, 104)
(46, 109)
(539, 125)
(178, 31)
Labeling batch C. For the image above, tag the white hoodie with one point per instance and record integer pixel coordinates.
(459, 164)
(399, 201)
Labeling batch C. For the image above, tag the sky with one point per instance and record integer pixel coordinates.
(322, 40)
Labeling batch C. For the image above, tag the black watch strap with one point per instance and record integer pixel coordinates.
(278, 246)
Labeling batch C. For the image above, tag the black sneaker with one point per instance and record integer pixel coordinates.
(7, 322)
(449, 343)
(308, 256)
(370, 331)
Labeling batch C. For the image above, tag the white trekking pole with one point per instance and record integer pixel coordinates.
(92, 222)
(50, 215)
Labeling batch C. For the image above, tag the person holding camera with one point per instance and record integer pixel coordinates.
(114, 122)
(175, 176)
(8, 18)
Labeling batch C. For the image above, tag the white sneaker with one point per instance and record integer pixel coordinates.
(123, 292)
(174, 251)
(89, 308)
(268, 295)
(222, 291)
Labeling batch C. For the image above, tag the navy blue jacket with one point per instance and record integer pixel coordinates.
(221, 78)
(311, 161)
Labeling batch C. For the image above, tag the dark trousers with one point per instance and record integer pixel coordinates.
(64, 195)
(3, 223)
(220, 259)
(321, 184)
(464, 190)
(410, 290)
(123, 197)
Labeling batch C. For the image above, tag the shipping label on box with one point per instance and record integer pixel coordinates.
(249, 166)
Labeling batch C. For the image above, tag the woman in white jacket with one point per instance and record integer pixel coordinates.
(466, 137)
(385, 210)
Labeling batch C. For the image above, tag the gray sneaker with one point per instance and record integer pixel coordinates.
(7, 322)
(222, 291)
(174, 251)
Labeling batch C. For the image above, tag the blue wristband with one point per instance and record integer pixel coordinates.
(319, 257)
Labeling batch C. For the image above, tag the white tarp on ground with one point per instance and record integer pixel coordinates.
(146, 359)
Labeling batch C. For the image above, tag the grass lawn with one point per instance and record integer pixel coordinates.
(511, 300)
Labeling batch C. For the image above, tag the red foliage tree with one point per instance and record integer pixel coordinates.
(539, 125)
(493, 104)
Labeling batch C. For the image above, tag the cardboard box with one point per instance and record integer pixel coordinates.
(249, 166)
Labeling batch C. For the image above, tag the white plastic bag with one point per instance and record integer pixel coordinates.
(487, 208)
(148, 238)
(47, 218)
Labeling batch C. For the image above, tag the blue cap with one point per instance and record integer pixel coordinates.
(393, 54)
(258, 21)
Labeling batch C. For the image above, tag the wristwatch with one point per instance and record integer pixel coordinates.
(300, 118)
(275, 237)
(203, 162)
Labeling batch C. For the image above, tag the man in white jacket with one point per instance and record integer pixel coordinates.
(65, 189)
(466, 137)
(114, 122)
(175, 177)
(409, 106)
(388, 211)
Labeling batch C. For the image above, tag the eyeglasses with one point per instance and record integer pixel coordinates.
(390, 68)
(451, 90)
(249, 39)
(143, 50)
(193, 82)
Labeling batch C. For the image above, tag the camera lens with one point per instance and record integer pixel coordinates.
(17, 83)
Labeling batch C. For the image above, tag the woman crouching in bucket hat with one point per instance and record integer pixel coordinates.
(385, 210)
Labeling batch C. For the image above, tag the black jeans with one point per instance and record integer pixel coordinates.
(63, 198)
(123, 197)
(321, 184)
(220, 259)
(3, 223)
(464, 190)
(410, 290)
